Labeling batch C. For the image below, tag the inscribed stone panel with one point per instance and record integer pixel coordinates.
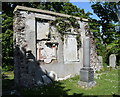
(46, 52)
(42, 30)
(70, 48)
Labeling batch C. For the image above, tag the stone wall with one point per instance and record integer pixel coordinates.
(95, 62)
(27, 71)
(40, 51)
(94, 59)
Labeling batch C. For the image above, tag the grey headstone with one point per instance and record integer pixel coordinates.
(86, 73)
(100, 62)
(86, 52)
(112, 60)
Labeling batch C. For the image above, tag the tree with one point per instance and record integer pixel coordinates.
(107, 37)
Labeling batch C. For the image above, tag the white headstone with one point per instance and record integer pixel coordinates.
(100, 62)
(112, 60)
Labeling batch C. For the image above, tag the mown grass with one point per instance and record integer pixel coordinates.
(108, 83)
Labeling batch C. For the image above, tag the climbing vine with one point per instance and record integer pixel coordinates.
(78, 41)
(64, 24)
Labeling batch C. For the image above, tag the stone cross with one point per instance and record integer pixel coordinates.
(112, 60)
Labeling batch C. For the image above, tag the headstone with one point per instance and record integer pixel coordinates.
(86, 52)
(112, 60)
(100, 62)
(86, 73)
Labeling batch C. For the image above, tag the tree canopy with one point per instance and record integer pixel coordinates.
(106, 35)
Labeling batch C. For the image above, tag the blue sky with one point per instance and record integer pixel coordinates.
(86, 6)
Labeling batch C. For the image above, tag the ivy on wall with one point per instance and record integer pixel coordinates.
(64, 24)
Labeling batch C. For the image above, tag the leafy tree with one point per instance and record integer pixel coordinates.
(106, 36)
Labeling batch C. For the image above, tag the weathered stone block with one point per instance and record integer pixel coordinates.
(86, 74)
(70, 45)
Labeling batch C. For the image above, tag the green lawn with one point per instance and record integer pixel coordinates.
(107, 84)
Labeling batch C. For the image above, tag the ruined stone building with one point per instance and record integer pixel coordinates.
(39, 48)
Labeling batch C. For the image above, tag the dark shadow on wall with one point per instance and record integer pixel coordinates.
(27, 70)
(28, 75)
(33, 70)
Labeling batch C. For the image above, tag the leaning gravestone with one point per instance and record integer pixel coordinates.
(86, 73)
(100, 62)
(112, 60)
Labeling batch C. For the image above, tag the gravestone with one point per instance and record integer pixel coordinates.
(112, 60)
(86, 73)
(100, 62)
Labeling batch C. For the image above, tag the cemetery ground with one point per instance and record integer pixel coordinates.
(108, 83)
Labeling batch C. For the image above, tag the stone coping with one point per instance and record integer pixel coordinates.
(45, 12)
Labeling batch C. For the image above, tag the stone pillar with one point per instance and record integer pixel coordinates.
(86, 73)
(112, 60)
(86, 52)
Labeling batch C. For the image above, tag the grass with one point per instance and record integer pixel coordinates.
(107, 84)
(8, 80)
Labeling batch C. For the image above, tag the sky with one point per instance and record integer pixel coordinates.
(86, 6)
